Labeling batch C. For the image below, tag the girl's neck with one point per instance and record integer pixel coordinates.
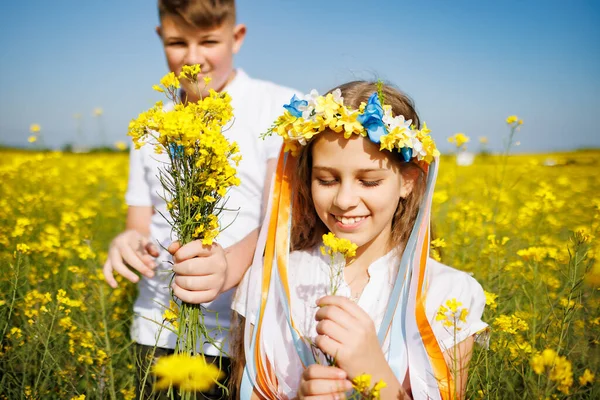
(368, 253)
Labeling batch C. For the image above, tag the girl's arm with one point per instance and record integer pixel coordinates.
(458, 359)
(348, 333)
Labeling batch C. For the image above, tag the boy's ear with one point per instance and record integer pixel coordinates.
(159, 31)
(239, 34)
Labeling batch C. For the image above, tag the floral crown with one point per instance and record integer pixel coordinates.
(304, 119)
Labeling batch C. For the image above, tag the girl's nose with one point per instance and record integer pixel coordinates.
(345, 197)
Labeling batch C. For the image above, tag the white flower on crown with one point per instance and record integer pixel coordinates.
(308, 111)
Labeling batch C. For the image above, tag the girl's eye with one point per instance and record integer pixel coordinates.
(210, 42)
(176, 44)
(326, 182)
(371, 183)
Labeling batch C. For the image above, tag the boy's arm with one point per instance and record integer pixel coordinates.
(131, 250)
(202, 272)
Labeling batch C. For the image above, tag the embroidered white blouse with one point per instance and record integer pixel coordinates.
(309, 280)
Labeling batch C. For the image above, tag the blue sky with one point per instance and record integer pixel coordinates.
(467, 64)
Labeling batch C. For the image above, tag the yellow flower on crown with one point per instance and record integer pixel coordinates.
(305, 118)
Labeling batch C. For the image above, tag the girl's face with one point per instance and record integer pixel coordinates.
(356, 189)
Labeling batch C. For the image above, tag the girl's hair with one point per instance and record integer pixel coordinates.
(307, 227)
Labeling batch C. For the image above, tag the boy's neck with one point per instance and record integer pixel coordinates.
(193, 97)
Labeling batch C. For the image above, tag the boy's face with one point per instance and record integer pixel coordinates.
(212, 48)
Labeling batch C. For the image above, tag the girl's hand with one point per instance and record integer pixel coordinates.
(200, 271)
(323, 382)
(347, 333)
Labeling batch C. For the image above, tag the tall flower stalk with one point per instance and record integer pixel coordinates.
(339, 251)
(202, 166)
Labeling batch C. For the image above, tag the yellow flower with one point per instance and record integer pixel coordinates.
(557, 368)
(190, 374)
(332, 245)
(32, 139)
(362, 382)
(452, 314)
(376, 392)
(80, 397)
(171, 314)
(490, 299)
(459, 139)
(510, 324)
(512, 119)
(483, 140)
(170, 80)
(98, 111)
(35, 128)
(120, 145)
(190, 72)
(586, 378)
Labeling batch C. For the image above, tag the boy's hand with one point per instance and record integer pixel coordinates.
(323, 382)
(200, 271)
(130, 250)
(347, 333)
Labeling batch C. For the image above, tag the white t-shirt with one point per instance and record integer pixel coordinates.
(309, 280)
(256, 104)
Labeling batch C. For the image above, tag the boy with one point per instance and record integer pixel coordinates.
(201, 32)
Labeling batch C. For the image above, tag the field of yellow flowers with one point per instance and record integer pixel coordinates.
(526, 226)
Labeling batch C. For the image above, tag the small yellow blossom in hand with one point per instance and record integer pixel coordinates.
(362, 382)
(362, 386)
(333, 244)
(459, 139)
(190, 374)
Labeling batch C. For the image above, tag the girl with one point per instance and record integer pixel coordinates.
(355, 163)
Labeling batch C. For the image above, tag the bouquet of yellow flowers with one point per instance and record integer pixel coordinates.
(201, 169)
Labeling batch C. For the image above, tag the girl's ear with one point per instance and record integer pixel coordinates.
(409, 174)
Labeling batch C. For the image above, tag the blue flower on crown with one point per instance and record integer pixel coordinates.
(372, 119)
(295, 102)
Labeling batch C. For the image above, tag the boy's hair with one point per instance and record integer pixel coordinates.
(205, 14)
(307, 227)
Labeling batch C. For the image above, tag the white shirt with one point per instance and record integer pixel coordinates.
(256, 104)
(309, 280)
